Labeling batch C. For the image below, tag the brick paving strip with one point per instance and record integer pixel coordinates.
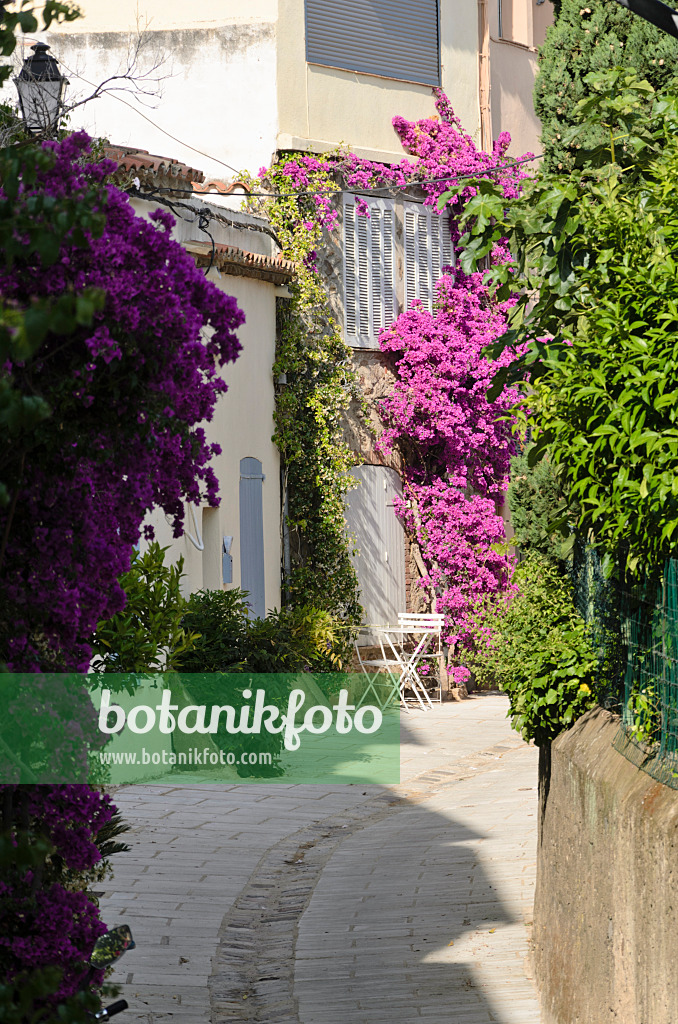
(334, 904)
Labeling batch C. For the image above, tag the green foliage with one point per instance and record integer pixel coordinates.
(147, 635)
(644, 710)
(107, 837)
(587, 37)
(320, 383)
(21, 997)
(597, 306)
(535, 500)
(539, 651)
(291, 640)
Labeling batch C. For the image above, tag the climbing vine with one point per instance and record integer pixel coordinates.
(316, 384)
(456, 445)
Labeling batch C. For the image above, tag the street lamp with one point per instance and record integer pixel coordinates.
(41, 88)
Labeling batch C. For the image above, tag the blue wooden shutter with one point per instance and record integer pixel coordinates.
(392, 38)
(252, 573)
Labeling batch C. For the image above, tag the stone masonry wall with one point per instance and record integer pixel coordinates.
(606, 906)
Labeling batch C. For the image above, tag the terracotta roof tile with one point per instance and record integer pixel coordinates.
(221, 187)
(148, 165)
(241, 263)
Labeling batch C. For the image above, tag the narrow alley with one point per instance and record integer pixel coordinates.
(314, 904)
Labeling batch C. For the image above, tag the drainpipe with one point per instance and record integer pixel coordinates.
(287, 559)
(484, 77)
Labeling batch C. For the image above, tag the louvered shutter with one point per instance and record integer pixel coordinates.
(428, 248)
(392, 38)
(369, 271)
(252, 571)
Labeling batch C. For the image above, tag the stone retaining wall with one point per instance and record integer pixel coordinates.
(606, 905)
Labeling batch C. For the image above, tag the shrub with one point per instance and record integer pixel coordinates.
(585, 38)
(147, 635)
(535, 498)
(52, 842)
(290, 640)
(537, 648)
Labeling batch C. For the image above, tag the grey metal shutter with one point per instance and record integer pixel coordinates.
(369, 271)
(380, 540)
(393, 38)
(252, 575)
(428, 248)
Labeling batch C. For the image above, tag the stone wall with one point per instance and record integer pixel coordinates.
(606, 906)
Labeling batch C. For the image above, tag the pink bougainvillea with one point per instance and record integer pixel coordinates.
(456, 445)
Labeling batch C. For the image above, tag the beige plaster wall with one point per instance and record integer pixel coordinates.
(104, 16)
(242, 426)
(321, 107)
(512, 73)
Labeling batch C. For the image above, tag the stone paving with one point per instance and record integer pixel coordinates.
(313, 904)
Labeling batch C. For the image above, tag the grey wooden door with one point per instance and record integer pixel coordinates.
(380, 539)
(252, 573)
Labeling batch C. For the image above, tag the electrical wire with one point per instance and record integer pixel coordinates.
(281, 195)
(149, 119)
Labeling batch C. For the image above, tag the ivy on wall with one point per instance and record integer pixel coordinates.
(316, 384)
(319, 380)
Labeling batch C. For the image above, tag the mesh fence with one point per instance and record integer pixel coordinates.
(648, 735)
(636, 634)
(598, 599)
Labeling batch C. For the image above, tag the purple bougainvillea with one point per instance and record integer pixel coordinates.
(127, 394)
(47, 920)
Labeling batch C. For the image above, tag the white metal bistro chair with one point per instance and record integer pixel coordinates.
(428, 626)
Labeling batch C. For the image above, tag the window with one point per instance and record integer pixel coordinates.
(523, 21)
(392, 38)
(392, 258)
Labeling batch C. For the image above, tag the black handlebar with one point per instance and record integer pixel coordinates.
(110, 1011)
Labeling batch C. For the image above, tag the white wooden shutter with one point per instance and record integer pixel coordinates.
(428, 248)
(369, 271)
(380, 540)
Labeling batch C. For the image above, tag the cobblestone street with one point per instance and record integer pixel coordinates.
(312, 904)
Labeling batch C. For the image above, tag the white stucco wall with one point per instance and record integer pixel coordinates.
(219, 98)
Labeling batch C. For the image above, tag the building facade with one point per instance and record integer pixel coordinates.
(240, 83)
(238, 543)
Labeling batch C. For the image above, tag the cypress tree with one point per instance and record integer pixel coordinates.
(592, 35)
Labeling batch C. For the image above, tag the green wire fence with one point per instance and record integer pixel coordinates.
(648, 735)
(636, 633)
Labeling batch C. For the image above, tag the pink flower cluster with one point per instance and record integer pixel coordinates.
(455, 444)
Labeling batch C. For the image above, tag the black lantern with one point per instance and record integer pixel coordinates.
(41, 88)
